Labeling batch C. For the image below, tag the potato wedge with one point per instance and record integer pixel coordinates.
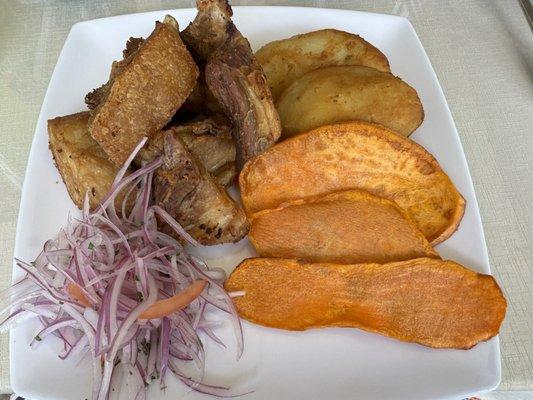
(355, 155)
(286, 60)
(343, 227)
(342, 94)
(82, 163)
(435, 303)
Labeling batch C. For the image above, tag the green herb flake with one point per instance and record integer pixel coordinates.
(38, 338)
(145, 346)
(140, 296)
(33, 263)
(91, 246)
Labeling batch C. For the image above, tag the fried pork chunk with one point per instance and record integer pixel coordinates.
(209, 141)
(234, 77)
(184, 188)
(144, 91)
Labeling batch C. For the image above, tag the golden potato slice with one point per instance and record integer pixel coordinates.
(436, 303)
(286, 60)
(82, 163)
(342, 94)
(344, 227)
(356, 155)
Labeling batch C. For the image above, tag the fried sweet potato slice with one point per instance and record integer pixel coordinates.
(356, 155)
(348, 93)
(286, 60)
(343, 227)
(435, 303)
(144, 91)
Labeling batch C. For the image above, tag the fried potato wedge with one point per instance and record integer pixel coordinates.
(144, 91)
(435, 303)
(355, 155)
(343, 227)
(81, 162)
(286, 60)
(342, 94)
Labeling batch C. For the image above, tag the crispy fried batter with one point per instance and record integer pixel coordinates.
(82, 163)
(436, 303)
(343, 94)
(286, 60)
(209, 140)
(343, 227)
(189, 193)
(356, 155)
(144, 92)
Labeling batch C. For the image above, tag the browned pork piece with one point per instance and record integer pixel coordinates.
(184, 188)
(144, 91)
(234, 77)
(209, 141)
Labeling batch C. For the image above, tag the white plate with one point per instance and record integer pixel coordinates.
(318, 364)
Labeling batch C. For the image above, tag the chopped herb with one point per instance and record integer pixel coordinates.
(145, 346)
(38, 338)
(117, 362)
(137, 278)
(33, 263)
(140, 296)
(61, 302)
(91, 246)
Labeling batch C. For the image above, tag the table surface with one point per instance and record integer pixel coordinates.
(482, 53)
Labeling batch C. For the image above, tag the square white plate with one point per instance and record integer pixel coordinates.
(317, 364)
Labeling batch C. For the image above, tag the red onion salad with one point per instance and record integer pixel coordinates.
(94, 283)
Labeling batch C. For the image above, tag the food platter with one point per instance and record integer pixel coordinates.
(325, 363)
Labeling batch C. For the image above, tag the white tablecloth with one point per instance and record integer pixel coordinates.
(482, 52)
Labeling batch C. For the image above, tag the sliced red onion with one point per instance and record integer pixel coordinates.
(120, 266)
